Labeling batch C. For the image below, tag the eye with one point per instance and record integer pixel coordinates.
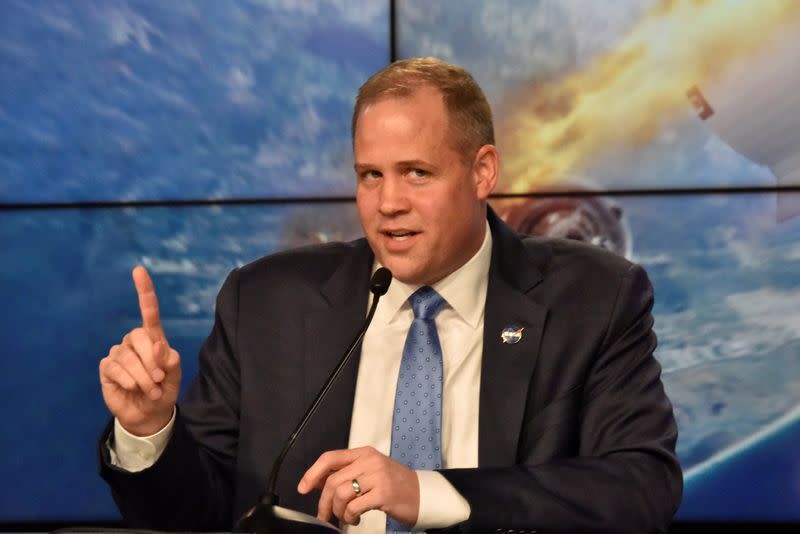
(418, 173)
(371, 175)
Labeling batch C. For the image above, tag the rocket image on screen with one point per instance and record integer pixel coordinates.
(755, 108)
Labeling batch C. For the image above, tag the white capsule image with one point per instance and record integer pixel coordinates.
(754, 106)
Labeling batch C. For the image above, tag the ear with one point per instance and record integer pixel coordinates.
(486, 170)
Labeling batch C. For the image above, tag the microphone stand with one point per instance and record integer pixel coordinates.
(266, 517)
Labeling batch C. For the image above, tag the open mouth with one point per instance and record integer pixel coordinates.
(399, 235)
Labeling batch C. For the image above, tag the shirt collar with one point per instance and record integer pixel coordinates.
(464, 289)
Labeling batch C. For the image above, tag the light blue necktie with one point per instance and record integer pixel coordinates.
(417, 417)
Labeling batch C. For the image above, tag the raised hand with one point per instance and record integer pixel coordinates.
(141, 376)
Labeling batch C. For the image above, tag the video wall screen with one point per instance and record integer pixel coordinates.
(147, 100)
(724, 269)
(144, 100)
(152, 100)
(649, 95)
(726, 274)
(632, 94)
(68, 274)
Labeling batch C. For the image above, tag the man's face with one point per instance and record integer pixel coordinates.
(421, 206)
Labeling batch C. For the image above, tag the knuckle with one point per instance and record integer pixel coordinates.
(130, 337)
(116, 374)
(378, 463)
(343, 492)
(108, 366)
(137, 334)
(378, 493)
(330, 486)
(174, 359)
(332, 481)
(146, 356)
(352, 513)
(127, 358)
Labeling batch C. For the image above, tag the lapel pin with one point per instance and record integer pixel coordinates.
(512, 335)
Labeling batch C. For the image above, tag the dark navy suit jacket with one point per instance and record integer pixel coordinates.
(576, 433)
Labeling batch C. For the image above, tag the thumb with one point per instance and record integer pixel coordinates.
(168, 359)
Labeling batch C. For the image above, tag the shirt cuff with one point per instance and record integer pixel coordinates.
(135, 453)
(440, 504)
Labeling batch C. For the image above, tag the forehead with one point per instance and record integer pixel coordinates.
(423, 103)
(418, 118)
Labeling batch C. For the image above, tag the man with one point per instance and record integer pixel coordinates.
(551, 414)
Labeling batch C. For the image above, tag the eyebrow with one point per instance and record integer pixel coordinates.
(414, 163)
(363, 167)
(401, 164)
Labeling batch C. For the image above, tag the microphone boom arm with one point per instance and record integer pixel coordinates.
(261, 518)
(270, 497)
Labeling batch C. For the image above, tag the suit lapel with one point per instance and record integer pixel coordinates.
(328, 332)
(507, 368)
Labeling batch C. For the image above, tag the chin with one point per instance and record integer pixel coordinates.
(415, 277)
(404, 273)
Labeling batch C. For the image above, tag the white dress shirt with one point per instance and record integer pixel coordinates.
(460, 328)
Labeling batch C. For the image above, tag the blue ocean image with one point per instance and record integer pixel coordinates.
(138, 100)
(759, 478)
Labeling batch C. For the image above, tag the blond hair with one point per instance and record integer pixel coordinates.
(469, 114)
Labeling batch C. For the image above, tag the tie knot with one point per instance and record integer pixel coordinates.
(426, 302)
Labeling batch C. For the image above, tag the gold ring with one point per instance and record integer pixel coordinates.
(356, 487)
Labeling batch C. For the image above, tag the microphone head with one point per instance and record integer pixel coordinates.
(379, 283)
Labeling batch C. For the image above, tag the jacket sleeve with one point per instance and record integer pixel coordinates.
(625, 476)
(190, 487)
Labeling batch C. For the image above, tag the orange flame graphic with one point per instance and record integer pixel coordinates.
(626, 96)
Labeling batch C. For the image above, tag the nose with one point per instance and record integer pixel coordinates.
(393, 197)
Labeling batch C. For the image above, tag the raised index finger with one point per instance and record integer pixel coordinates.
(148, 303)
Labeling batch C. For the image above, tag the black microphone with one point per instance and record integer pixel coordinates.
(266, 517)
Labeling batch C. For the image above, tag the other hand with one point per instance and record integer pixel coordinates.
(141, 376)
(385, 485)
